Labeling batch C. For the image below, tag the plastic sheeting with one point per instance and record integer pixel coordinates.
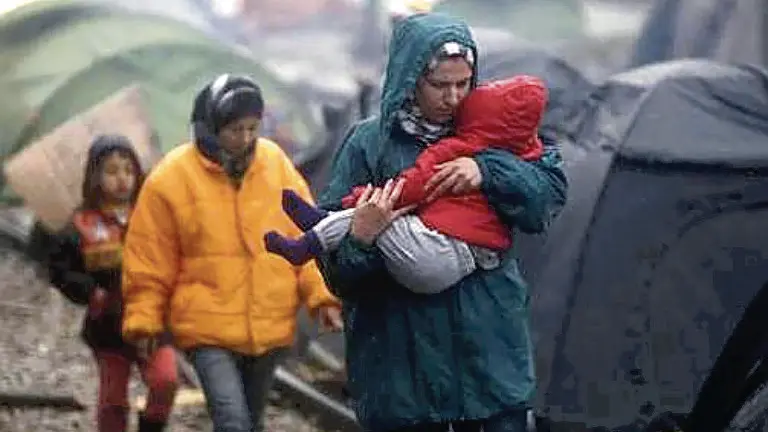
(730, 31)
(660, 247)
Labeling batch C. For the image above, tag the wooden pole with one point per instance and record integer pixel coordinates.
(26, 399)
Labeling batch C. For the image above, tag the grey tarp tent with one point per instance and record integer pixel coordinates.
(660, 247)
(730, 31)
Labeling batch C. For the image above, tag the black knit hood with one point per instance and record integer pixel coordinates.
(225, 100)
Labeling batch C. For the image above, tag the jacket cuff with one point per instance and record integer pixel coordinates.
(132, 331)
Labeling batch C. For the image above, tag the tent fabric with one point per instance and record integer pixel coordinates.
(730, 31)
(61, 58)
(660, 247)
(196, 13)
(46, 48)
(168, 74)
(638, 101)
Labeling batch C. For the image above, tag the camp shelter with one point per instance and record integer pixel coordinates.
(730, 31)
(60, 58)
(660, 247)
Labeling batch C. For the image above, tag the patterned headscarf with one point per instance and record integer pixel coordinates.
(411, 117)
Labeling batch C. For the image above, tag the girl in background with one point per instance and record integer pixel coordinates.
(85, 264)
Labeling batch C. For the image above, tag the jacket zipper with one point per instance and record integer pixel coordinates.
(249, 299)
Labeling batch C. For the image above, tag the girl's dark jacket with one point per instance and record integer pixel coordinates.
(86, 255)
(83, 256)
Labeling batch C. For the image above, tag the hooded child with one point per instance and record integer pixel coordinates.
(85, 264)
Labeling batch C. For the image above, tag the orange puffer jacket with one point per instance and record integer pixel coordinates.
(194, 255)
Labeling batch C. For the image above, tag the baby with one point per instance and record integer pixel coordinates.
(448, 238)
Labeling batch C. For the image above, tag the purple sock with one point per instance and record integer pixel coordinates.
(303, 214)
(298, 251)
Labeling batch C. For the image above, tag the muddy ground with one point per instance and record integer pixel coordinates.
(40, 351)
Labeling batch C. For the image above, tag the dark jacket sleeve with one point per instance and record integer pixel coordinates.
(352, 265)
(526, 195)
(66, 269)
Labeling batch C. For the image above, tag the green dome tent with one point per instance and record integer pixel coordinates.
(61, 58)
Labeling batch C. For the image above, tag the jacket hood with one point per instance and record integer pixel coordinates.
(414, 41)
(225, 99)
(101, 147)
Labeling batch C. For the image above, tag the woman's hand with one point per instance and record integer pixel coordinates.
(375, 211)
(457, 177)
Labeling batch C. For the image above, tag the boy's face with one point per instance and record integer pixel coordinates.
(238, 135)
(118, 178)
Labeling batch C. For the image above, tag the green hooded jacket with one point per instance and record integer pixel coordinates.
(465, 353)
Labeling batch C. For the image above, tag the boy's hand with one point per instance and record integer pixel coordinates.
(329, 318)
(146, 347)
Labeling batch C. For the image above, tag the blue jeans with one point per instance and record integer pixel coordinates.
(236, 386)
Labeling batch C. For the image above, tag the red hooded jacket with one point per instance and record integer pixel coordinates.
(501, 114)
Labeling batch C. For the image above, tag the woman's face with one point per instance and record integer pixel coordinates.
(238, 135)
(439, 92)
(118, 178)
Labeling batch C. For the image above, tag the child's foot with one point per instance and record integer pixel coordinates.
(297, 252)
(303, 214)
